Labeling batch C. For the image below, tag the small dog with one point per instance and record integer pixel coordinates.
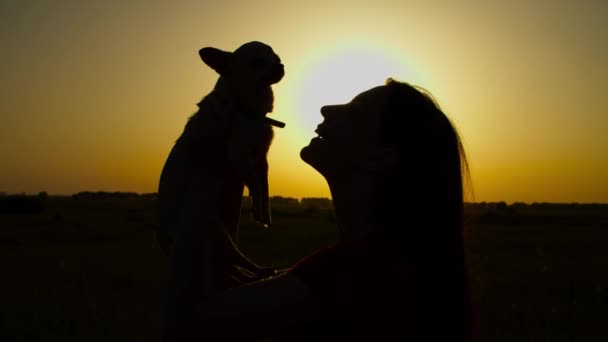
(222, 149)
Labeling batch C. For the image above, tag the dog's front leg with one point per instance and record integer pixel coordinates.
(259, 177)
(260, 194)
(248, 149)
(231, 198)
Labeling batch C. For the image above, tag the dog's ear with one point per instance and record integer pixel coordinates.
(215, 58)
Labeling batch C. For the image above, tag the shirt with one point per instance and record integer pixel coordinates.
(363, 289)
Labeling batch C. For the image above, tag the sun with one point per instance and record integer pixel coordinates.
(318, 77)
(337, 77)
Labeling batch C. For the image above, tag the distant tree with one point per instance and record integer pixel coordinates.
(320, 203)
(519, 205)
(151, 195)
(246, 203)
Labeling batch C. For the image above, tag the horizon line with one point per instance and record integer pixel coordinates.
(134, 193)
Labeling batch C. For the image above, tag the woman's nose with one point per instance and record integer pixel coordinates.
(328, 110)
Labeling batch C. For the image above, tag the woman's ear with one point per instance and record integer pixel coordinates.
(380, 159)
(215, 58)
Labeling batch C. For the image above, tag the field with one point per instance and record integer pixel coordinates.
(88, 269)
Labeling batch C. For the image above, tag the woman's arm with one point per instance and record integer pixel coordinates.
(261, 309)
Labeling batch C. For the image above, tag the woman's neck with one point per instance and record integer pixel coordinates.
(353, 200)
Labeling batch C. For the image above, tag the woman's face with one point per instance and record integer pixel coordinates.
(347, 135)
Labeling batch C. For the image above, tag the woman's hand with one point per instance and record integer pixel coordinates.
(237, 276)
(265, 272)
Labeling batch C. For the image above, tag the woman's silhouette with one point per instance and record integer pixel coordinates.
(394, 164)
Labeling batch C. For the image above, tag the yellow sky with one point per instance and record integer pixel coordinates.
(93, 94)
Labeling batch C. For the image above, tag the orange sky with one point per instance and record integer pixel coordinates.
(93, 94)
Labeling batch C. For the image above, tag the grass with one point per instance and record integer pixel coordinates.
(541, 283)
(90, 270)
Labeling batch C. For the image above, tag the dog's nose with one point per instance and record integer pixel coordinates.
(277, 74)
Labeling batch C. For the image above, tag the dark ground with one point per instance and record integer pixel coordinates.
(89, 269)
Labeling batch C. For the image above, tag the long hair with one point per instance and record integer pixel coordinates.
(426, 187)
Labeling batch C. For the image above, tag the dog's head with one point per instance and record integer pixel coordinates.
(251, 68)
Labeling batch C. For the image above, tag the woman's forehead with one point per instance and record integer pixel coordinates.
(372, 101)
(368, 106)
(377, 95)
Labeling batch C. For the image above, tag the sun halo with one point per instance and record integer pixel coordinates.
(337, 78)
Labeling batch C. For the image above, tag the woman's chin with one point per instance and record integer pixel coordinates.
(306, 154)
(310, 155)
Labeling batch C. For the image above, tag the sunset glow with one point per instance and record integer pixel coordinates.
(336, 77)
(94, 94)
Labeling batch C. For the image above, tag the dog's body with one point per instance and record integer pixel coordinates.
(222, 149)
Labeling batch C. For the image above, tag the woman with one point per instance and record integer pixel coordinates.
(390, 157)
